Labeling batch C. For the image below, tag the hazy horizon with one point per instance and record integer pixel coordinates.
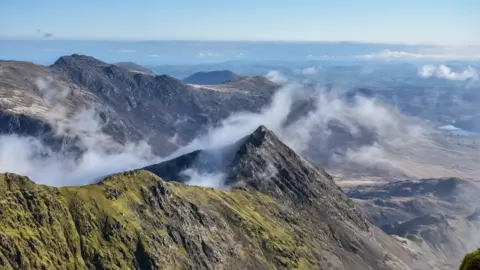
(46, 51)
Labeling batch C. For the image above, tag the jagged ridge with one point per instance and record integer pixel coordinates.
(136, 220)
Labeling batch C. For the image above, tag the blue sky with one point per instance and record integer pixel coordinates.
(379, 21)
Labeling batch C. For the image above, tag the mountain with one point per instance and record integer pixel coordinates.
(261, 163)
(211, 77)
(437, 216)
(401, 201)
(134, 67)
(130, 106)
(137, 220)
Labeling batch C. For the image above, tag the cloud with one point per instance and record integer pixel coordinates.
(127, 51)
(241, 124)
(47, 35)
(208, 54)
(94, 153)
(320, 57)
(204, 179)
(372, 127)
(443, 54)
(276, 77)
(445, 72)
(309, 71)
(97, 154)
(154, 55)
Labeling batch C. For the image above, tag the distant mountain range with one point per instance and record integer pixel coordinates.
(211, 77)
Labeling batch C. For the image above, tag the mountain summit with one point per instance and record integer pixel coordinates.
(261, 163)
(295, 217)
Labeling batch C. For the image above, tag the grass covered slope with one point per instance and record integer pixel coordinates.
(471, 261)
(136, 220)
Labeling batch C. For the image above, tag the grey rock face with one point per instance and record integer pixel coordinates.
(211, 77)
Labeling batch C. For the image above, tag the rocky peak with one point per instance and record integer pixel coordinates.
(69, 61)
(260, 162)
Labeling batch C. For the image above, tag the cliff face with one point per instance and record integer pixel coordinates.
(295, 219)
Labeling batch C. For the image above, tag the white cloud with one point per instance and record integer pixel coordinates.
(320, 57)
(154, 55)
(208, 54)
(313, 129)
(99, 155)
(440, 54)
(127, 51)
(309, 71)
(276, 77)
(445, 72)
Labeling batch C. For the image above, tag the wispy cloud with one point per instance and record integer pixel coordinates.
(208, 54)
(127, 51)
(276, 77)
(309, 71)
(439, 54)
(445, 72)
(319, 57)
(94, 154)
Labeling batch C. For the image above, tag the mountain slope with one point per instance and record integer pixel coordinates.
(211, 77)
(130, 106)
(159, 107)
(435, 216)
(262, 163)
(134, 67)
(136, 220)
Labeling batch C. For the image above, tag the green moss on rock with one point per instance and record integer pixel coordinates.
(471, 261)
(135, 220)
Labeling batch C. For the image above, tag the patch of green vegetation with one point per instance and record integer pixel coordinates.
(471, 261)
(136, 220)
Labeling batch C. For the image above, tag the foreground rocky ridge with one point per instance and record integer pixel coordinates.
(136, 220)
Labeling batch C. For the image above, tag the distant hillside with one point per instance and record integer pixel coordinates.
(134, 67)
(211, 77)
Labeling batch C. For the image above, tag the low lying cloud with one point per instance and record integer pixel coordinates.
(127, 51)
(445, 72)
(309, 71)
(440, 55)
(276, 77)
(362, 131)
(208, 54)
(91, 155)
